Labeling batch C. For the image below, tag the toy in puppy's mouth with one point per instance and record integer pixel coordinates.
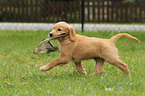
(46, 46)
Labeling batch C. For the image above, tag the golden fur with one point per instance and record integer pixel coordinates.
(76, 48)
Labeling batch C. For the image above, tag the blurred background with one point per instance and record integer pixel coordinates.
(86, 15)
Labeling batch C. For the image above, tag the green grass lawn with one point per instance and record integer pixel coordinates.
(20, 75)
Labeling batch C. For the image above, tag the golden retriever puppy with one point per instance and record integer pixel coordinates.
(76, 48)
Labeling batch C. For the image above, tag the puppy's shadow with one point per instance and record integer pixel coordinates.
(46, 76)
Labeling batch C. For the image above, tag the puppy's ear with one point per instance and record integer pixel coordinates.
(72, 34)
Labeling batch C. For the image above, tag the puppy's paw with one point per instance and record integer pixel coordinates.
(43, 68)
(85, 73)
(95, 73)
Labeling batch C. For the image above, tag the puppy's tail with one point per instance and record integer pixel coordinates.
(114, 38)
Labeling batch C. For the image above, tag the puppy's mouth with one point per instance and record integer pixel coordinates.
(59, 36)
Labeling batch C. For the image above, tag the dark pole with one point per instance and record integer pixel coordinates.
(82, 14)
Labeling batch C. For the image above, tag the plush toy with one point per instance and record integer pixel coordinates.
(46, 46)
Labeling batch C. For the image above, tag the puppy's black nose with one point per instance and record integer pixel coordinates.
(50, 35)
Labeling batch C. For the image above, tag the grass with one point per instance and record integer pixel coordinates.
(20, 75)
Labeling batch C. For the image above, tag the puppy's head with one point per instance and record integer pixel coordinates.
(63, 28)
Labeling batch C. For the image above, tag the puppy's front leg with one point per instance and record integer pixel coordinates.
(80, 68)
(55, 62)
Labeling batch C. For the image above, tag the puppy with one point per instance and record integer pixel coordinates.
(76, 48)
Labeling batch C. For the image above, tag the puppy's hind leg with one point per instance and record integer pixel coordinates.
(99, 66)
(122, 66)
(110, 55)
(80, 68)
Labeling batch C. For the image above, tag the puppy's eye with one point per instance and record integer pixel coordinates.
(59, 29)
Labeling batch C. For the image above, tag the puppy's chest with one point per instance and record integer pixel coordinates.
(67, 48)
